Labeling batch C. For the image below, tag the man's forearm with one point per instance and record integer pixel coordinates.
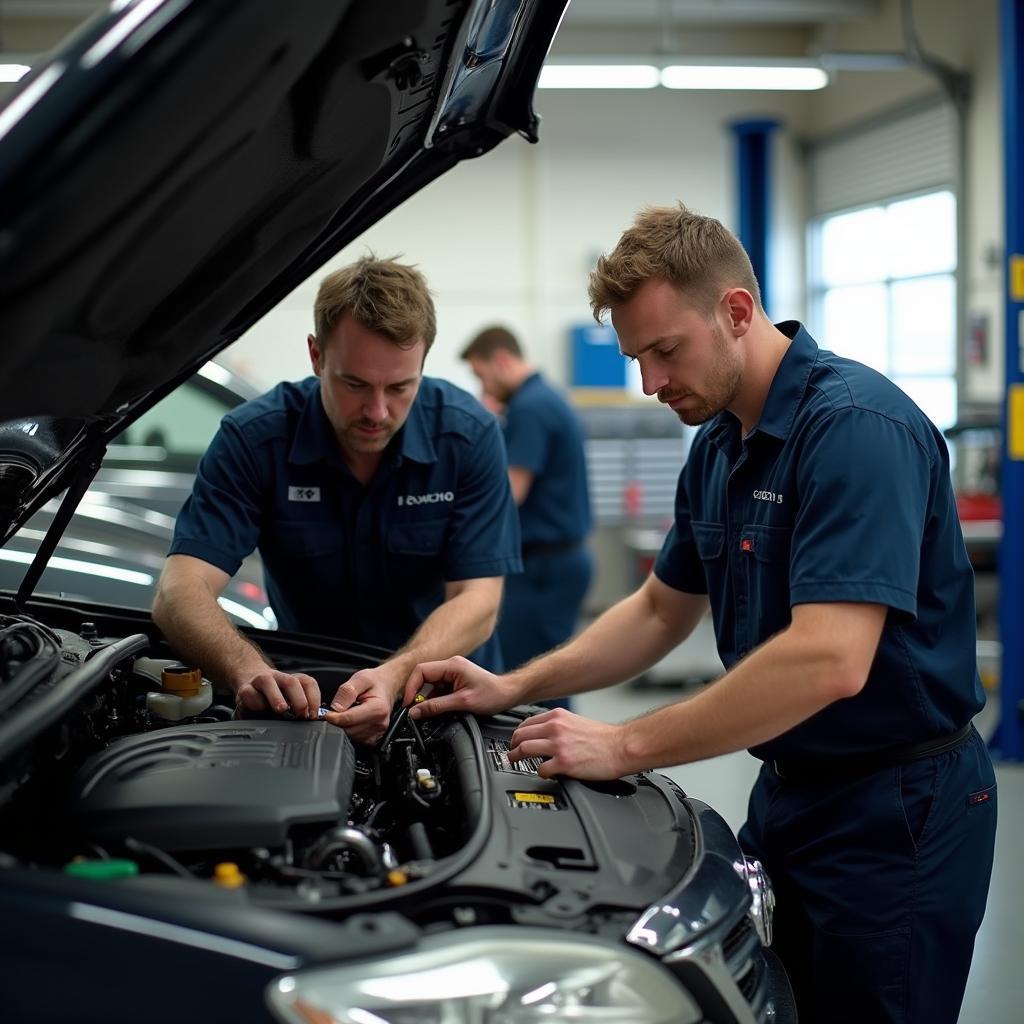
(457, 626)
(626, 640)
(198, 630)
(779, 685)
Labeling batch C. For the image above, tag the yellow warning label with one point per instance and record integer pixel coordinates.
(1017, 279)
(534, 798)
(1015, 421)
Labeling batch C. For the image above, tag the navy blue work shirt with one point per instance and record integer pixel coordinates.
(841, 493)
(342, 559)
(543, 435)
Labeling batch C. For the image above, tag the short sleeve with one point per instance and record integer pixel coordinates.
(220, 521)
(864, 484)
(483, 534)
(679, 565)
(526, 439)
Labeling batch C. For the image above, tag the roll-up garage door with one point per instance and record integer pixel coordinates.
(908, 151)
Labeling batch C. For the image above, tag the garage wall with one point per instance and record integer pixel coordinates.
(984, 378)
(511, 236)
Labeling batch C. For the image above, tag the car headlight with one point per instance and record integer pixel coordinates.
(489, 975)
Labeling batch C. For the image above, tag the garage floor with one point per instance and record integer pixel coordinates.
(995, 991)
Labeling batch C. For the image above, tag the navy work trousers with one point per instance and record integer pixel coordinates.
(542, 605)
(881, 883)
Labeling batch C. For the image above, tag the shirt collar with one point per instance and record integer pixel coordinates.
(789, 383)
(314, 439)
(785, 394)
(414, 438)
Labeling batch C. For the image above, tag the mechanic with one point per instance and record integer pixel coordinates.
(378, 499)
(816, 511)
(548, 474)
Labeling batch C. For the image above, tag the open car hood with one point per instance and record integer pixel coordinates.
(179, 166)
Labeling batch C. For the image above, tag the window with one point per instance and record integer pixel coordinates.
(884, 293)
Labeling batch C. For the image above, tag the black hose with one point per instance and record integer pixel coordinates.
(137, 846)
(420, 841)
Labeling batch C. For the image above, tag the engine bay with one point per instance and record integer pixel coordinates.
(435, 821)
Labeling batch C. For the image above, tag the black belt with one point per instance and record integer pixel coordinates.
(824, 769)
(539, 547)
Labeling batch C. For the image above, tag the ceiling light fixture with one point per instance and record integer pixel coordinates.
(758, 77)
(718, 73)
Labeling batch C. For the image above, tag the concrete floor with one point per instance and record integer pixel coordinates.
(995, 989)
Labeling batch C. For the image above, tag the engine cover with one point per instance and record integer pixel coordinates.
(215, 786)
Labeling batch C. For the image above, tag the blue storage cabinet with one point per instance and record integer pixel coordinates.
(596, 360)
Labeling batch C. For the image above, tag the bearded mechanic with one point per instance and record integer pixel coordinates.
(378, 499)
(815, 511)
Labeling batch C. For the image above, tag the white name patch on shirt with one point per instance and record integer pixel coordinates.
(303, 493)
(426, 499)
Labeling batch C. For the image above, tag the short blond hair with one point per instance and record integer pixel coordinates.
(697, 254)
(384, 296)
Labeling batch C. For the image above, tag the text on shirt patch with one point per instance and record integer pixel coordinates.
(768, 496)
(303, 493)
(426, 499)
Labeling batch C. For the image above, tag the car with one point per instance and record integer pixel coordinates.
(112, 551)
(114, 545)
(165, 178)
(153, 461)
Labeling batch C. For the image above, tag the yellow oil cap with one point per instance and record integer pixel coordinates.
(182, 681)
(397, 877)
(227, 875)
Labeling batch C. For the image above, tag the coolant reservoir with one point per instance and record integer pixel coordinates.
(183, 693)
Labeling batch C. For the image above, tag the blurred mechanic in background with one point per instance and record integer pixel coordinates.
(378, 499)
(548, 474)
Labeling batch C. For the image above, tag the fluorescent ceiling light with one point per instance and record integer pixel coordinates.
(13, 72)
(110, 572)
(767, 79)
(598, 76)
(722, 73)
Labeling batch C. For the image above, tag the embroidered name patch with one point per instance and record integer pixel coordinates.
(303, 493)
(426, 499)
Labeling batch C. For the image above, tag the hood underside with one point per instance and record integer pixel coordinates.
(181, 165)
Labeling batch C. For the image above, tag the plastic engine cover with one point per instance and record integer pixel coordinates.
(215, 785)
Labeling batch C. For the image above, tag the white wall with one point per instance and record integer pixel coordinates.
(511, 237)
(986, 222)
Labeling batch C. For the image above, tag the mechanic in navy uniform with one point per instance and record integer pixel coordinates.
(816, 512)
(378, 499)
(547, 471)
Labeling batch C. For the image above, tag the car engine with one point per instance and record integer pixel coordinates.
(99, 780)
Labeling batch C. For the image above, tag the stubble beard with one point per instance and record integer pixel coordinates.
(720, 390)
(359, 443)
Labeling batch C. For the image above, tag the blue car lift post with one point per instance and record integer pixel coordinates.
(1009, 739)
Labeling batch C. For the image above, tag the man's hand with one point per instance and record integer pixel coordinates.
(570, 745)
(362, 706)
(278, 691)
(472, 689)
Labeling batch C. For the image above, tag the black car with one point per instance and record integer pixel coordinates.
(153, 461)
(165, 178)
(114, 545)
(112, 551)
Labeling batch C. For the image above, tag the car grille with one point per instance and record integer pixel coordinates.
(735, 944)
(727, 974)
